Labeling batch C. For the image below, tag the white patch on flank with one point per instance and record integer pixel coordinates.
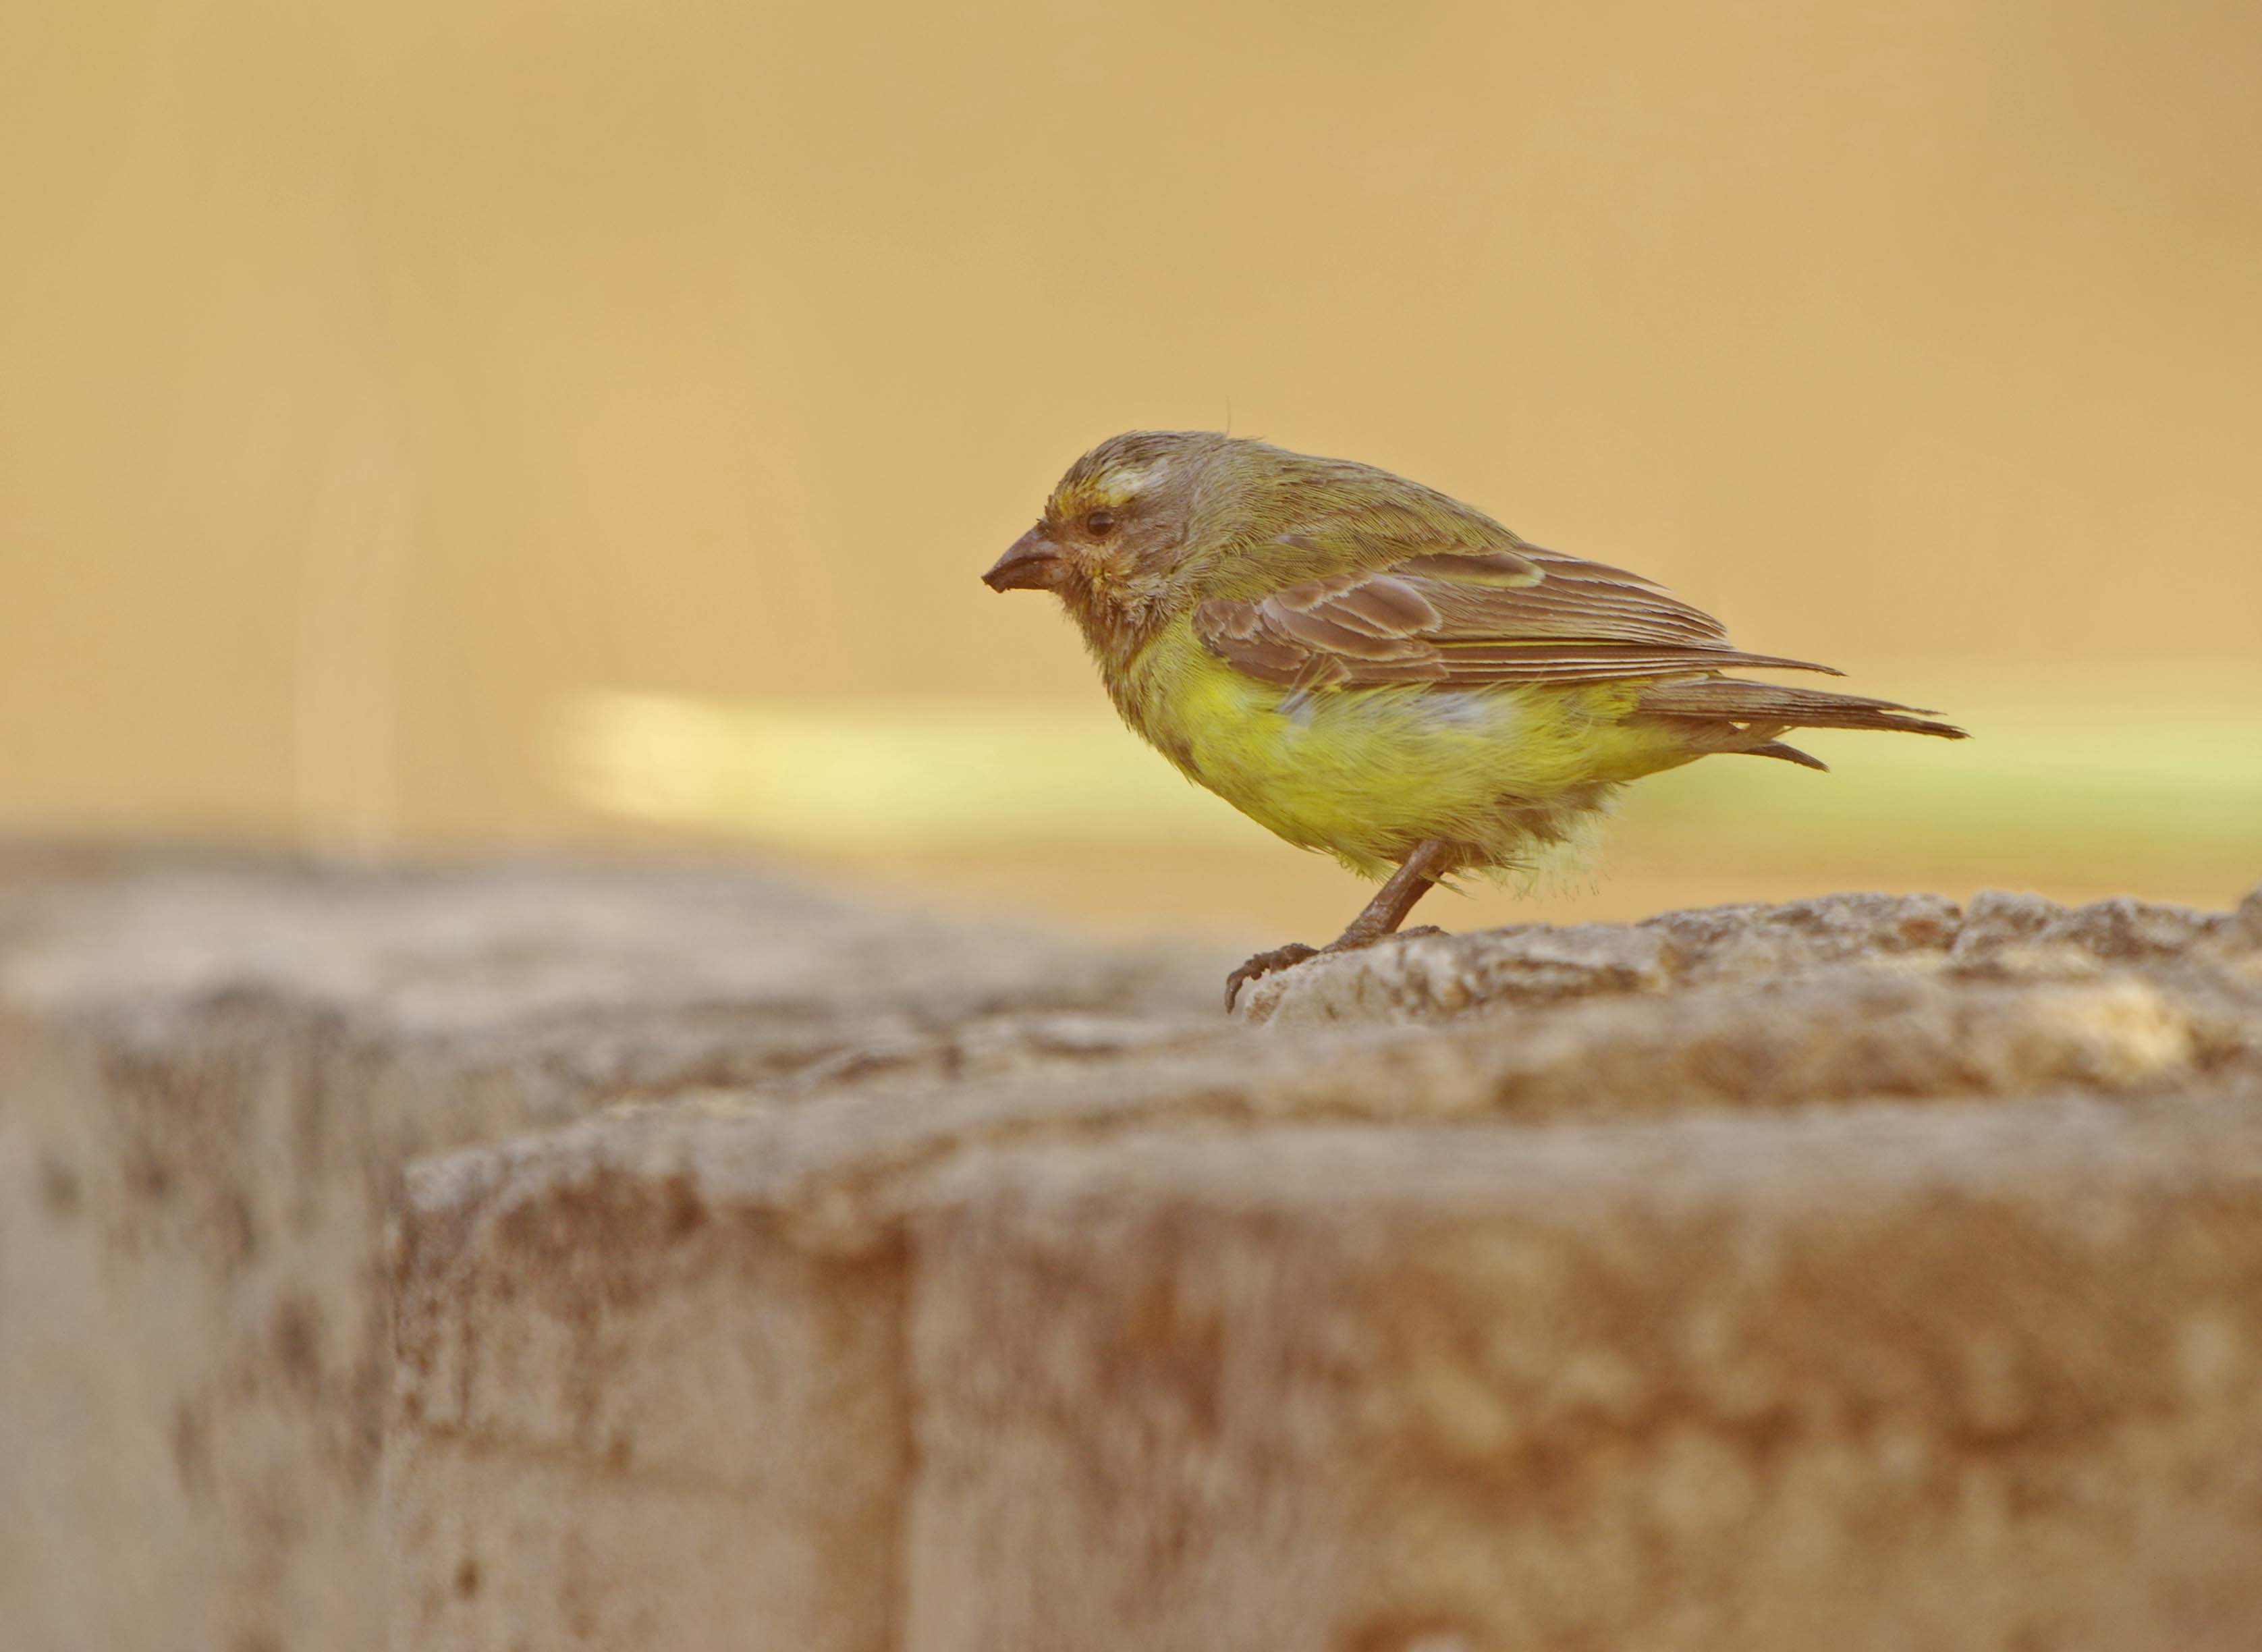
(1467, 711)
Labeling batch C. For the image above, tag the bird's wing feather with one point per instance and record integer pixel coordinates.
(1475, 619)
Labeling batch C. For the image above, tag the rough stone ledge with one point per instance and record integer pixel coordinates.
(212, 1070)
(1877, 1378)
(675, 1365)
(1167, 1377)
(2000, 935)
(1684, 1316)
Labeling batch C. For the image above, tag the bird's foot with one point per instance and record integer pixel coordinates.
(1295, 952)
(1265, 963)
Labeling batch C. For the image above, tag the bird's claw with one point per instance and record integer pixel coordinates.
(1295, 952)
(1265, 963)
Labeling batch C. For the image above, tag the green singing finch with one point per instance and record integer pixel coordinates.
(1369, 667)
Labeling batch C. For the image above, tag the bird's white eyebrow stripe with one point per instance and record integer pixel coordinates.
(1131, 479)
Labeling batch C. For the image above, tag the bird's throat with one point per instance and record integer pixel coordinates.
(1115, 631)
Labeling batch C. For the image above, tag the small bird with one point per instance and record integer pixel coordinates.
(1367, 666)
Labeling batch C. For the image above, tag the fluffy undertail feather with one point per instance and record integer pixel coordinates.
(1788, 753)
(1768, 702)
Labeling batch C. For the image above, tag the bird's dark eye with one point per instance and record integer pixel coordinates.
(1099, 524)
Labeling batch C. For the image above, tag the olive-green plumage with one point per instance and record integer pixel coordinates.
(1367, 666)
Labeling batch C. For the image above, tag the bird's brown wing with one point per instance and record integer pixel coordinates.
(1470, 621)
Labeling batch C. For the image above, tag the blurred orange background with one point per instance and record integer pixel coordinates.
(430, 425)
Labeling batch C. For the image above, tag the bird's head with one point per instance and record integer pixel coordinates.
(1116, 525)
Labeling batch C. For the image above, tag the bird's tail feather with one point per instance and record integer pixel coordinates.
(1729, 698)
(1786, 754)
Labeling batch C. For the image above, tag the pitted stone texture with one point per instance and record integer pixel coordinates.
(213, 1071)
(1432, 977)
(1779, 1008)
(1888, 1276)
(634, 1413)
(668, 1375)
(1128, 1366)
(1870, 1379)
(1579, 1323)
(1841, 1035)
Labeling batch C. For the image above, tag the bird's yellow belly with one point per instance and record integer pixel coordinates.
(1367, 773)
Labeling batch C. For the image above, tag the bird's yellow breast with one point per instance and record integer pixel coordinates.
(1367, 773)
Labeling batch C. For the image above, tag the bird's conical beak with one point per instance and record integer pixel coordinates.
(1034, 564)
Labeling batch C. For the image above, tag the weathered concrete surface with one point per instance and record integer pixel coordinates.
(211, 1074)
(1868, 1273)
(634, 1415)
(1884, 1379)
(1998, 937)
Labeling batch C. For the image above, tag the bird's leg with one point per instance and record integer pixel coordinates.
(1415, 877)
